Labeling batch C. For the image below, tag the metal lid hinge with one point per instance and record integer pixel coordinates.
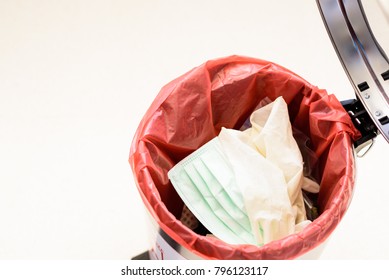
(361, 120)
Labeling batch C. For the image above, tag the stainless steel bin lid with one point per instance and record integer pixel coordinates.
(359, 32)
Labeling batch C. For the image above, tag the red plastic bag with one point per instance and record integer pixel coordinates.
(191, 110)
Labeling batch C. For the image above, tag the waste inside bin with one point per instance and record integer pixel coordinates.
(246, 186)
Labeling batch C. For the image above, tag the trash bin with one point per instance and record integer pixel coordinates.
(192, 109)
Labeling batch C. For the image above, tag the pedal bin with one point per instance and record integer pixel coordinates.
(191, 110)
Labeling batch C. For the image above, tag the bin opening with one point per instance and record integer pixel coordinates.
(192, 109)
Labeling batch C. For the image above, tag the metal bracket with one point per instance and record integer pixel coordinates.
(361, 121)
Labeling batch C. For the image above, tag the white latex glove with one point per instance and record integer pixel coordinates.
(268, 167)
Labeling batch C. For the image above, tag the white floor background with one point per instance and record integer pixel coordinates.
(77, 76)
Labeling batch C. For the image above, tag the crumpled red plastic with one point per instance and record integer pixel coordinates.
(190, 111)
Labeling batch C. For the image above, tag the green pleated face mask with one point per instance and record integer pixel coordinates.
(206, 183)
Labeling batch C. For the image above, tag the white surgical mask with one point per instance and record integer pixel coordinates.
(203, 179)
